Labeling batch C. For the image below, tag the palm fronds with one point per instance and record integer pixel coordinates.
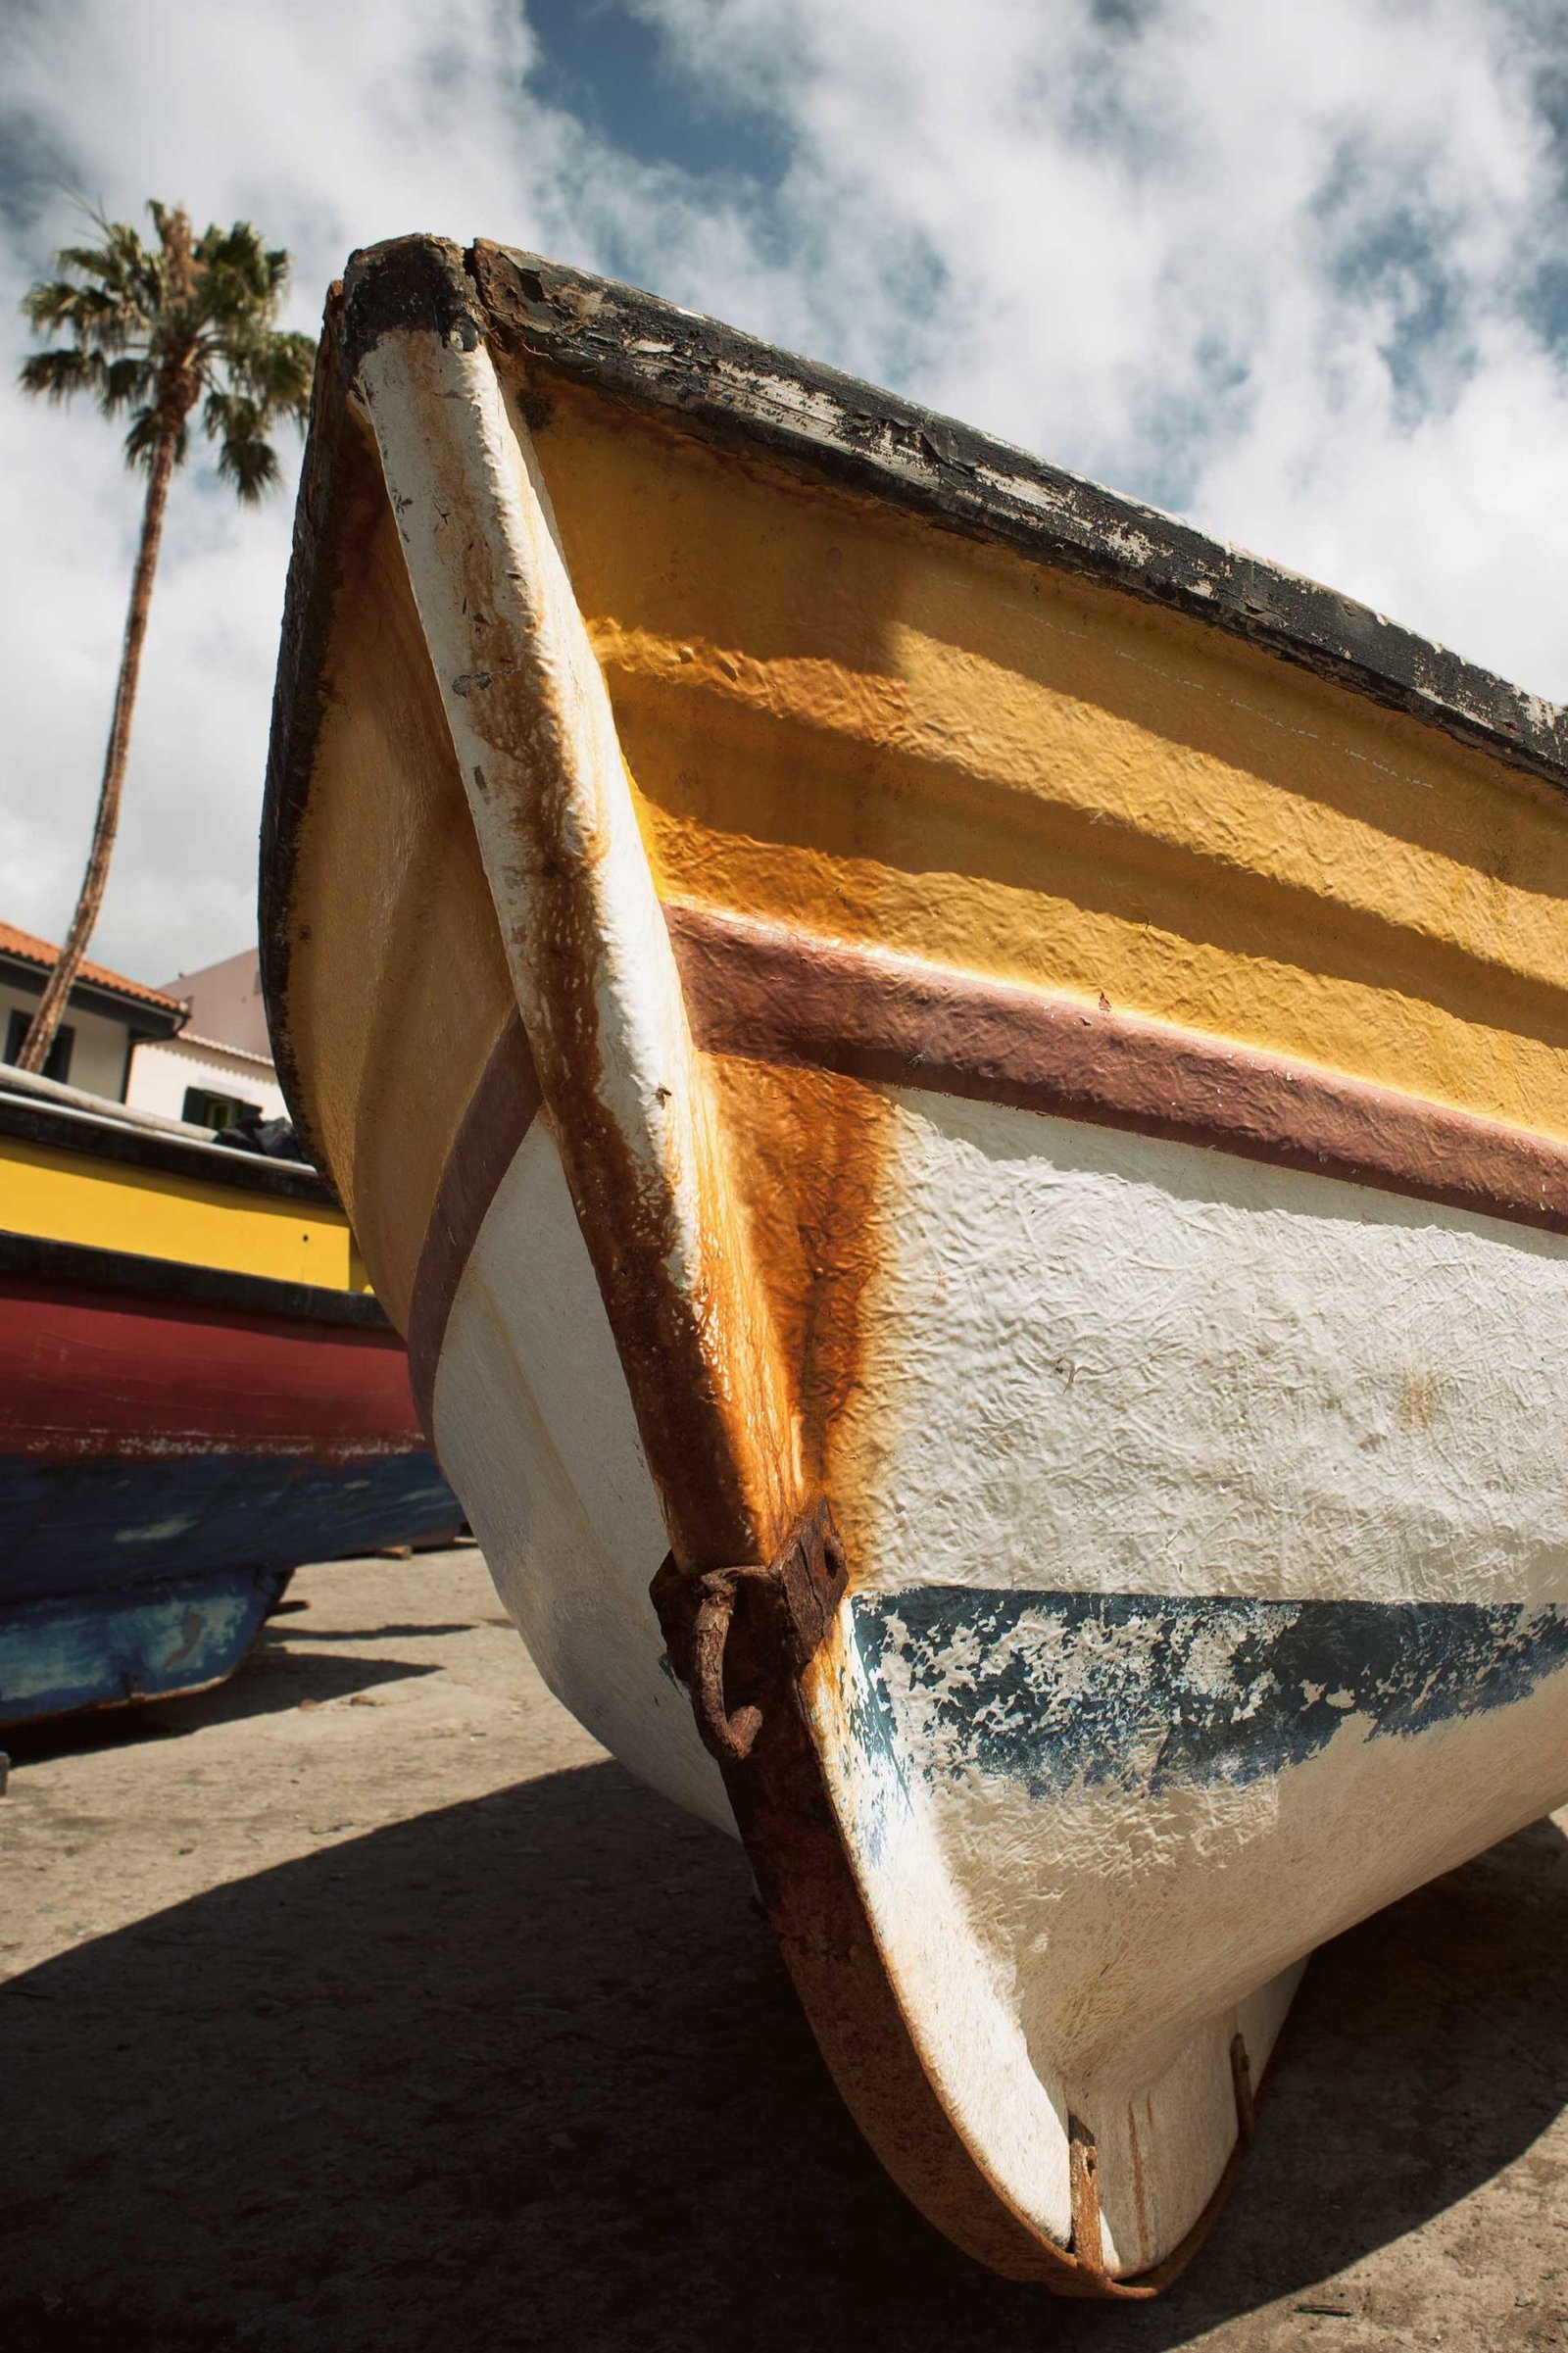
(154, 328)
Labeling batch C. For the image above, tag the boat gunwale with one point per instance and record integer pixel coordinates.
(660, 357)
(298, 696)
(59, 1127)
(177, 1283)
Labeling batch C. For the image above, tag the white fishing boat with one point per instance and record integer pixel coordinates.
(973, 1089)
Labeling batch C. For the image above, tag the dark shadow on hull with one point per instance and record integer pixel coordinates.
(527, 2071)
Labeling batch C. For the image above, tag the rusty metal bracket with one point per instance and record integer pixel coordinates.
(1242, 2085)
(736, 1637)
(729, 1736)
(1083, 2192)
(1085, 2244)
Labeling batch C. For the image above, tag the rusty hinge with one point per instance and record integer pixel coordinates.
(735, 1635)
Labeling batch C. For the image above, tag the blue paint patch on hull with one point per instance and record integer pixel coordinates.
(119, 1578)
(97, 1649)
(1057, 1691)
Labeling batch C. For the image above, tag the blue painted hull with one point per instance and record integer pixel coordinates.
(173, 1441)
(110, 1525)
(103, 1649)
(131, 1579)
(1152, 1692)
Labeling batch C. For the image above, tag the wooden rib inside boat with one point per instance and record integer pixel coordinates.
(962, 1097)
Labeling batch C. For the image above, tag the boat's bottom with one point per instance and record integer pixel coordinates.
(136, 1579)
(1092, 1836)
(90, 1650)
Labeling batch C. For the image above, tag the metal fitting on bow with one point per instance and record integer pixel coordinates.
(751, 1630)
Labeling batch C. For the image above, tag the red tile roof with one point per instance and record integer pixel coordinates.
(27, 951)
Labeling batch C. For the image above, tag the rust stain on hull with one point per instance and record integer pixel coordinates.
(809, 1162)
(749, 1669)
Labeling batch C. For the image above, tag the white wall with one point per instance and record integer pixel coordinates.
(162, 1068)
(98, 1054)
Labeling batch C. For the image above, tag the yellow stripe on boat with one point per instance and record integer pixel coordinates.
(901, 736)
(65, 1197)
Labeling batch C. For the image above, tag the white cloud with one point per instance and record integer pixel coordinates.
(1284, 267)
(1265, 261)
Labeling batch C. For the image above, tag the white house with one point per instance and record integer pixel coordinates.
(220, 1064)
(195, 1050)
(105, 1018)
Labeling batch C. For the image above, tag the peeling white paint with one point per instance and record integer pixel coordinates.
(1244, 1344)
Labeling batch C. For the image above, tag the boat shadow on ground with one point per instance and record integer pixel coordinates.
(526, 2071)
(277, 1674)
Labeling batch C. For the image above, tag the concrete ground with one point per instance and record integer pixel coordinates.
(365, 2003)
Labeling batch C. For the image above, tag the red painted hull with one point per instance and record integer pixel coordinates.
(165, 1460)
(106, 1373)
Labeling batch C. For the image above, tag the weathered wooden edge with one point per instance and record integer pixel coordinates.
(60, 1128)
(171, 1283)
(297, 697)
(735, 388)
(409, 281)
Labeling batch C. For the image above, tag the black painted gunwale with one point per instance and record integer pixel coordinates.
(81, 1266)
(734, 387)
(62, 1128)
(298, 694)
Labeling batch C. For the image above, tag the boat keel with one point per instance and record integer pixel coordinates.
(743, 1641)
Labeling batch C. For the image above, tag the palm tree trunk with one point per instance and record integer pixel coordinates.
(57, 989)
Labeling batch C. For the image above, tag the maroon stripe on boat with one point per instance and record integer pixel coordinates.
(777, 996)
(773, 995)
(112, 1375)
(499, 1115)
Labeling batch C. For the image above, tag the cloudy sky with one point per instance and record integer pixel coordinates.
(1300, 273)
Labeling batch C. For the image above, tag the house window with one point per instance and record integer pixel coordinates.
(216, 1111)
(58, 1063)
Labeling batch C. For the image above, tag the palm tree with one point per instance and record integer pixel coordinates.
(155, 330)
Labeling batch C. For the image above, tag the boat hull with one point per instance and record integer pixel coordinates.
(1106, 1766)
(984, 1240)
(167, 1460)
